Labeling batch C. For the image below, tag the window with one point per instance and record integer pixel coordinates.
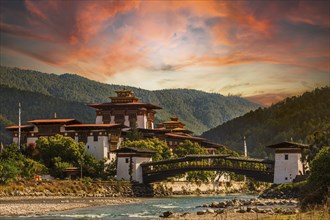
(286, 157)
(119, 119)
(96, 137)
(286, 178)
(126, 160)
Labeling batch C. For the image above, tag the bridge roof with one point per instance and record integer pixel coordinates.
(196, 157)
(287, 144)
(134, 150)
(243, 159)
(186, 158)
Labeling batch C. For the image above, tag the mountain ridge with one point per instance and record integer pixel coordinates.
(199, 110)
(296, 118)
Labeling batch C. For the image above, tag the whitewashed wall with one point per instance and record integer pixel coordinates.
(287, 170)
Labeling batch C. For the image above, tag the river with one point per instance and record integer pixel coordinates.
(149, 208)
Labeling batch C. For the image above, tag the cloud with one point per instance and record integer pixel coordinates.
(103, 39)
(268, 99)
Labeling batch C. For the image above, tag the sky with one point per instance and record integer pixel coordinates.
(261, 50)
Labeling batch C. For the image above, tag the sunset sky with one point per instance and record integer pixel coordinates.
(261, 50)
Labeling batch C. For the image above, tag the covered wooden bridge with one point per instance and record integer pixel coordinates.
(258, 169)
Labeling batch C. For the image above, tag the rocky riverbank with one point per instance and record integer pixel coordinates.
(283, 191)
(117, 189)
(24, 206)
(235, 208)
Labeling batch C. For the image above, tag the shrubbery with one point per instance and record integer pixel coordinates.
(316, 190)
(56, 153)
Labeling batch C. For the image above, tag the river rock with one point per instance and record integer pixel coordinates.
(241, 211)
(210, 211)
(203, 212)
(246, 202)
(168, 214)
(222, 205)
(214, 205)
(220, 211)
(229, 203)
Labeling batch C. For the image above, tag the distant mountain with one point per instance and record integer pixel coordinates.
(199, 110)
(296, 118)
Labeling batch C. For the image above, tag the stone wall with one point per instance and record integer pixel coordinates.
(187, 188)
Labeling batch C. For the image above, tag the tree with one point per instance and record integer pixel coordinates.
(317, 188)
(58, 146)
(163, 151)
(134, 134)
(186, 148)
(8, 170)
(59, 152)
(14, 164)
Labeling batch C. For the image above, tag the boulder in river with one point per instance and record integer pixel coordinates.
(210, 211)
(168, 214)
(203, 212)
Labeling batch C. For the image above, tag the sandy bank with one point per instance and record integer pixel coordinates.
(23, 206)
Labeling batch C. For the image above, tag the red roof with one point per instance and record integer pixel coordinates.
(15, 127)
(135, 104)
(95, 126)
(54, 120)
(288, 144)
(184, 136)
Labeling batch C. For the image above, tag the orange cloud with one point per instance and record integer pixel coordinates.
(101, 38)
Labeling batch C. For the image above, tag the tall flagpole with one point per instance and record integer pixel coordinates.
(245, 147)
(19, 125)
(245, 153)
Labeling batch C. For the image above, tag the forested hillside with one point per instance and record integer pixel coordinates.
(295, 118)
(36, 105)
(199, 110)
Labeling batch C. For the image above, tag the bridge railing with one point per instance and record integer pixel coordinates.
(209, 162)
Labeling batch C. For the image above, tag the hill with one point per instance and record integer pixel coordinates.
(296, 118)
(199, 110)
(36, 105)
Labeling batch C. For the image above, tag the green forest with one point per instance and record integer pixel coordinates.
(43, 94)
(299, 119)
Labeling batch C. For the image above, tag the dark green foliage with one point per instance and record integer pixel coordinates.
(189, 148)
(59, 152)
(134, 134)
(300, 118)
(152, 144)
(60, 149)
(14, 164)
(317, 189)
(198, 110)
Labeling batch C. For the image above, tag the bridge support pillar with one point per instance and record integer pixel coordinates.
(129, 160)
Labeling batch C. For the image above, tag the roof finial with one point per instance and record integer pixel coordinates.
(54, 114)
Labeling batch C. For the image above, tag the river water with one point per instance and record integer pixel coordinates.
(148, 208)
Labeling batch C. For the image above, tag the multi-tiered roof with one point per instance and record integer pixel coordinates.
(124, 98)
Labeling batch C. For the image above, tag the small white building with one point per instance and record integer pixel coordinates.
(129, 160)
(288, 163)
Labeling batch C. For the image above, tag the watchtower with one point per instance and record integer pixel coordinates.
(129, 160)
(288, 162)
